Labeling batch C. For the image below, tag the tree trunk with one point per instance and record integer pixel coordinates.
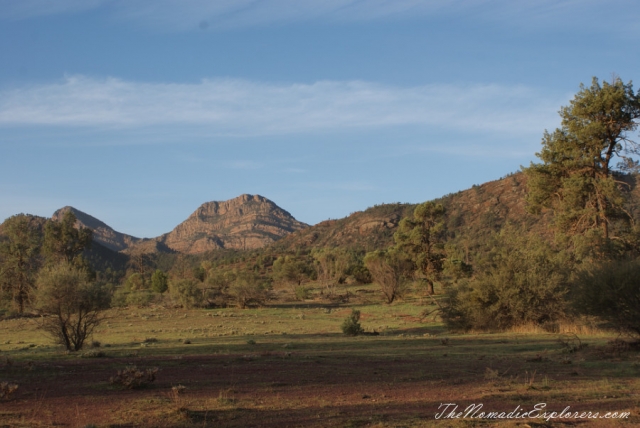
(430, 290)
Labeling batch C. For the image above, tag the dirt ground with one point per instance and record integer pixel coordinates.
(299, 387)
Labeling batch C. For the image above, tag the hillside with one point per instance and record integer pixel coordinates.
(370, 229)
(472, 215)
(102, 233)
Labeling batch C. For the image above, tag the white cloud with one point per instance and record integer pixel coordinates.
(232, 107)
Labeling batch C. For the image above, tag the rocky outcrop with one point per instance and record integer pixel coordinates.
(245, 222)
(102, 233)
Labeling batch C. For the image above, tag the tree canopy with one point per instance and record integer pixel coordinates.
(577, 177)
(64, 242)
(421, 237)
(19, 259)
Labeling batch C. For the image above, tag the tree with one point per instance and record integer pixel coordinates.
(72, 304)
(388, 269)
(186, 291)
(577, 178)
(159, 281)
(291, 271)
(63, 242)
(610, 291)
(525, 281)
(421, 237)
(249, 289)
(331, 264)
(19, 259)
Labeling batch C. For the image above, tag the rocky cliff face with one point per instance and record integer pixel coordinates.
(246, 222)
(102, 233)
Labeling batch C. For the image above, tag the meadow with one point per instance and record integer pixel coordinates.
(288, 364)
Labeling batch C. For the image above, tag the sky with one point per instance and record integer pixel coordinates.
(138, 111)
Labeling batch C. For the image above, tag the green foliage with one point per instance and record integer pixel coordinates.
(135, 282)
(360, 273)
(19, 259)
(292, 272)
(577, 179)
(331, 265)
(389, 269)
(72, 303)
(248, 289)
(302, 292)
(217, 286)
(199, 273)
(421, 237)
(186, 291)
(159, 281)
(526, 282)
(63, 242)
(351, 325)
(611, 291)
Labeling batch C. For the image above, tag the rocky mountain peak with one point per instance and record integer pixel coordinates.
(244, 222)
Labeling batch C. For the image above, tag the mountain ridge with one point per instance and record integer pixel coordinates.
(245, 222)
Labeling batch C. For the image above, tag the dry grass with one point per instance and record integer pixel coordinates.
(289, 365)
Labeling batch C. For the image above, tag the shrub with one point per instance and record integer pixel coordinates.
(525, 283)
(73, 303)
(186, 291)
(140, 298)
(611, 292)
(132, 378)
(94, 354)
(249, 289)
(361, 274)
(135, 282)
(159, 281)
(302, 292)
(7, 390)
(388, 269)
(351, 325)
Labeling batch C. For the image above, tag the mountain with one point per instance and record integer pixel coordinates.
(245, 222)
(102, 233)
(471, 216)
(367, 230)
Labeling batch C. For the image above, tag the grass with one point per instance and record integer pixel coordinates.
(288, 364)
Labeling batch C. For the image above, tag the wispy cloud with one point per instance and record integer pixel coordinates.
(179, 15)
(231, 107)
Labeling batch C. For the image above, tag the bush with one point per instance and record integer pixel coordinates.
(74, 304)
(7, 390)
(611, 292)
(132, 378)
(159, 281)
(186, 291)
(525, 283)
(361, 274)
(351, 325)
(303, 293)
(249, 289)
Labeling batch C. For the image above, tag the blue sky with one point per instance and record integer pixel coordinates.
(138, 111)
